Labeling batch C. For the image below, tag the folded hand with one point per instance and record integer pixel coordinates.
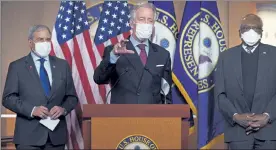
(243, 119)
(257, 122)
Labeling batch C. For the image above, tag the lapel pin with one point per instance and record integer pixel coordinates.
(264, 52)
(31, 67)
(54, 66)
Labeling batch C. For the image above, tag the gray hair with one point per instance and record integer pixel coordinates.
(36, 28)
(144, 5)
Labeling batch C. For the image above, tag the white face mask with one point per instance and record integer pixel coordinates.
(143, 31)
(42, 49)
(251, 37)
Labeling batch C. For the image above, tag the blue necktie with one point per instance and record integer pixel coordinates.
(44, 77)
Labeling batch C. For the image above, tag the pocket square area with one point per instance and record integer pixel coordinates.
(159, 65)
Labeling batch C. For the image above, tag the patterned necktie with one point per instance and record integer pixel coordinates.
(44, 77)
(143, 54)
(249, 49)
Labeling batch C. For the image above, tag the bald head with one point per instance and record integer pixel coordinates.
(251, 21)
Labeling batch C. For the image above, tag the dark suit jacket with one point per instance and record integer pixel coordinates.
(130, 70)
(23, 91)
(229, 92)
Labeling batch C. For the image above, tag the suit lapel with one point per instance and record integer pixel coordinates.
(263, 68)
(55, 73)
(238, 66)
(30, 66)
(151, 58)
(134, 60)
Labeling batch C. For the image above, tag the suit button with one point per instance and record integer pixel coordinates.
(138, 93)
(241, 94)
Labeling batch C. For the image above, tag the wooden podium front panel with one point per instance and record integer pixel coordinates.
(107, 133)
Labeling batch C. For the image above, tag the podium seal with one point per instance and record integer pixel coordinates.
(136, 142)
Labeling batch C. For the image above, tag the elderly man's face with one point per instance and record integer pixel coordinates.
(251, 22)
(143, 15)
(42, 35)
(251, 30)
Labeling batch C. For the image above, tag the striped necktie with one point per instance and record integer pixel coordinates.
(143, 54)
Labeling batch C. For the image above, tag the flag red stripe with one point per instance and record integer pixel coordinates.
(100, 48)
(93, 60)
(114, 40)
(73, 138)
(67, 54)
(88, 44)
(126, 34)
(83, 76)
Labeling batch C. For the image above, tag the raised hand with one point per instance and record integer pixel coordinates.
(120, 48)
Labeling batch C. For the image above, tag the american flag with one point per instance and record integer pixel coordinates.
(113, 25)
(71, 41)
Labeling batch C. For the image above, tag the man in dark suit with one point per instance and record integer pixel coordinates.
(39, 86)
(135, 67)
(246, 90)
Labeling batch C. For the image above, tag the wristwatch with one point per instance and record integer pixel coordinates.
(269, 120)
(65, 112)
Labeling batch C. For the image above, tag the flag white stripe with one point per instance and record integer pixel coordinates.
(120, 37)
(97, 54)
(107, 43)
(56, 47)
(81, 96)
(76, 78)
(82, 99)
(76, 129)
(68, 122)
(98, 61)
(78, 85)
(89, 69)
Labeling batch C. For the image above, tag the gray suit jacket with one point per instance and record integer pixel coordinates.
(137, 84)
(23, 91)
(229, 92)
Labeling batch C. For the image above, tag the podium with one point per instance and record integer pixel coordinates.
(135, 126)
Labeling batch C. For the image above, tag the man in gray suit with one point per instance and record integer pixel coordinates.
(246, 89)
(135, 67)
(39, 86)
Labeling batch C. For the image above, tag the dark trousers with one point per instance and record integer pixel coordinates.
(47, 146)
(252, 144)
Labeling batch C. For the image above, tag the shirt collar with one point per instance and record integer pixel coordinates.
(135, 42)
(36, 58)
(244, 47)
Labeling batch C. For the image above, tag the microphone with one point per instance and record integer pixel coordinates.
(147, 69)
(125, 71)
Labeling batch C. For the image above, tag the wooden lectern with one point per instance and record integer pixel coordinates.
(114, 126)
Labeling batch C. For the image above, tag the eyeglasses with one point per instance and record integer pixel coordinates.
(246, 28)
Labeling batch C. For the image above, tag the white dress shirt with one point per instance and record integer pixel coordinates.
(47, 66)
(252, 50)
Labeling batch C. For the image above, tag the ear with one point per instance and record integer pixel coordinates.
(31, 43)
